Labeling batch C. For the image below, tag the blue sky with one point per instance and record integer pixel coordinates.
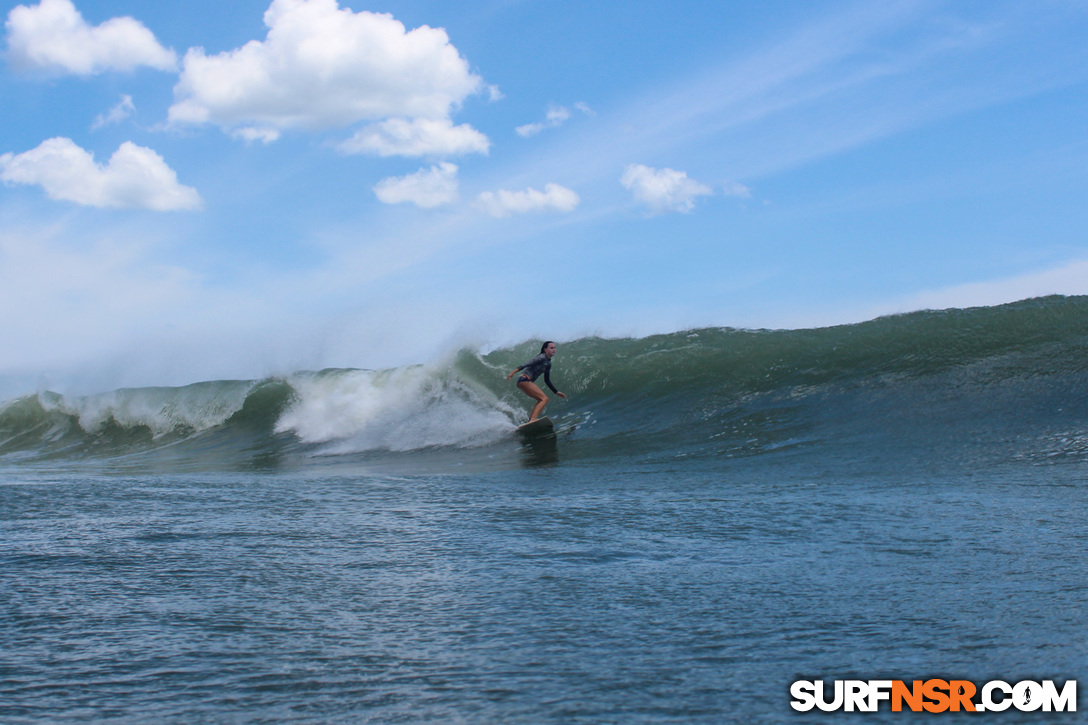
(199, 190)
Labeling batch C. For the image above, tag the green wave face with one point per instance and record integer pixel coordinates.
(1001, 383)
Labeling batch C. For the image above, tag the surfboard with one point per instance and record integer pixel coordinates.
(539, 427)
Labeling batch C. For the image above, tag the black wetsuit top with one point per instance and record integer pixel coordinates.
(539, 364)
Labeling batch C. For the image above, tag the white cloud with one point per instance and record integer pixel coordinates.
(427, 188)
(663, 190)
(416, 137)
(321, 66)
(503, 203)
(54, 36)
(118, 113)
(135, 177)
(556, 116)
(733, 188)
(249, 134)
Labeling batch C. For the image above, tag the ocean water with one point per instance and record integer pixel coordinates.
(721, 513)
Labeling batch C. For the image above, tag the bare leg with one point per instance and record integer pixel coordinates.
(534, 392)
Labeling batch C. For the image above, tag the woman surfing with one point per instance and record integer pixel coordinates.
(532, 370)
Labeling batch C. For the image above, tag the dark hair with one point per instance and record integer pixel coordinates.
(545, 345)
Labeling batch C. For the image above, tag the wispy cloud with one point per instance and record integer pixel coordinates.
(813, 93)
(426, 188)
(1070, 278)
(556, 116)
(416, 137)
(663, 190)
(737, 189)
(117, 114)
(503, 203)
(251, 134)
(88, 295)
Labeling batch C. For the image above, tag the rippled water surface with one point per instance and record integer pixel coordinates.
(608, 592)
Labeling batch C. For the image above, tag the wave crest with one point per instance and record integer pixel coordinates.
(925, 380)
(397, 410)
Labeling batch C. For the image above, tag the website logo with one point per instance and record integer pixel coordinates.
(933, 695)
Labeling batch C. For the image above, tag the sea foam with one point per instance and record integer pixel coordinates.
(396, 410)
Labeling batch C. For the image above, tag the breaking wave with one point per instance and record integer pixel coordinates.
(1008, 382)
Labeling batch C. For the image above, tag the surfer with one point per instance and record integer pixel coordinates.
(530, 371)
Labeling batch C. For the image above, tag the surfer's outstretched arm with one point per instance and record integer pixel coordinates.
(548, 382)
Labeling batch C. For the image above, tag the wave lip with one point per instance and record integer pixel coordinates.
(331, 412)
(402, 409)
(131, 420)
(161, 411)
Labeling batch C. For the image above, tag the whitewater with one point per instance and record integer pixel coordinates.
(721, 512)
